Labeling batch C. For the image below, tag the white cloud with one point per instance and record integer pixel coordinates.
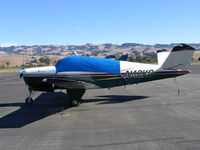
(7, 44)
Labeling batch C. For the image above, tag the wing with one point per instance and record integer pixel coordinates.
(69, 84)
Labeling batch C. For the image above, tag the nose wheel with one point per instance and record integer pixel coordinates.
(29, 100)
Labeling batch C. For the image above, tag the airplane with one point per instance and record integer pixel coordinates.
(110, 57)
(76, 74)
(123, 57)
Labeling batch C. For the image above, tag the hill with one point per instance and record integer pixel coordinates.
(87, 49)
(17, 55)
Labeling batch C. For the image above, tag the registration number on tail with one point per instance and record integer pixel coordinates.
(136, 73)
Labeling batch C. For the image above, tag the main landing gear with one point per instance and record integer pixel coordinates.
(29, 100)
(75, 96)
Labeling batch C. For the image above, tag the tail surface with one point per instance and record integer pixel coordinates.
(179, 58)
(124, 57)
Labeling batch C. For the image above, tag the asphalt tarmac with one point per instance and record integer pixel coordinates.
(147, 116)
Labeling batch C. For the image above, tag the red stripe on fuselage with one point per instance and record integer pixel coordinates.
(175, 72)
(162, 72)
(110, 74)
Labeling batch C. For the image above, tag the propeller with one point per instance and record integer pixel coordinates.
(21, 73)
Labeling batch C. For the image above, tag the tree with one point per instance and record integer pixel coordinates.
(2, 66)
(7, 64)
(44, 60)
(33, 60)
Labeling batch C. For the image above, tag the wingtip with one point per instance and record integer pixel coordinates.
(182, 47)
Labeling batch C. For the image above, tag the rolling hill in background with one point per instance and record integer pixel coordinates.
(14, 54)
(88, 49)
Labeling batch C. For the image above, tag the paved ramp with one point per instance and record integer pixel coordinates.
(147, 116)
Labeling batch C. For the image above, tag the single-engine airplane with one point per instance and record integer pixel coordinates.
(76, 74)
(123, 57)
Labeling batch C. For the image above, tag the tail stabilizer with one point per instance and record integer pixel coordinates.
(162, 56)
(179, 58)
(124, 57)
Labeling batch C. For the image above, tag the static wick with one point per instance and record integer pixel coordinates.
(177, 86)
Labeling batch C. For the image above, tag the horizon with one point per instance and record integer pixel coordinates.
(7, 45)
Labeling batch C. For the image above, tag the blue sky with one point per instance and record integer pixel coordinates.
(66, 22)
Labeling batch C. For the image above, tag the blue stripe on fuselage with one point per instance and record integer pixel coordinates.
(88, 64)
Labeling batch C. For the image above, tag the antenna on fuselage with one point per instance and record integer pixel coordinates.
(177, 86)
(22, 66)
(75, 53)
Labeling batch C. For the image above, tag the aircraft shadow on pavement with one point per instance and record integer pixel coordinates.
(47, 104)
(44, 105)
(112, 99)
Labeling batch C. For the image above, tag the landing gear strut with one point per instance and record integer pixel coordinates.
(29, 100)
(75, 96)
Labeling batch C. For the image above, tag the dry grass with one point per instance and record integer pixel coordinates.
(17, 60)
(10, 70)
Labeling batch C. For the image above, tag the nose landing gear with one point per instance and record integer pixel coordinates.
(29, 100)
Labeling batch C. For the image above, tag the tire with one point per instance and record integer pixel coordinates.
(75, 103)
(75, 96)
(28, 101)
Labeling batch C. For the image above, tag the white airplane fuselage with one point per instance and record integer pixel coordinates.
(130, 73)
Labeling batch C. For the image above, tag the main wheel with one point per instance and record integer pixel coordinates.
(75, 103)
(28, 101)
(75, 96)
